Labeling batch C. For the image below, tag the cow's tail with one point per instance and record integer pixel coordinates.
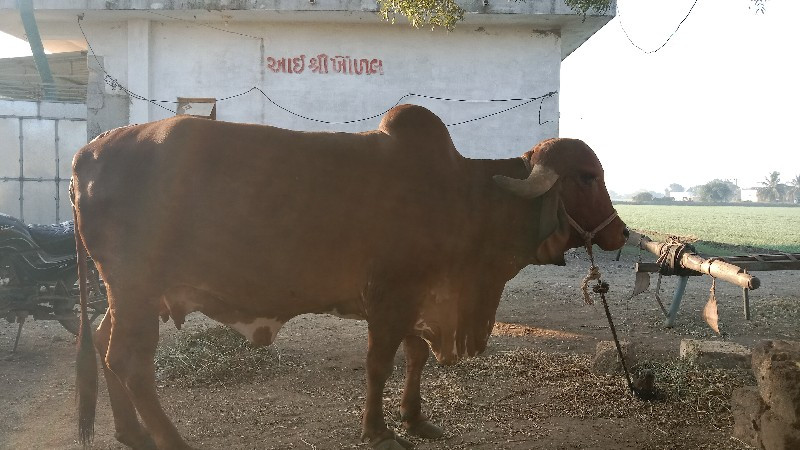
(86, 363)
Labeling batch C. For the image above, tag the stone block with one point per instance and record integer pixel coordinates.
(777, 434)
(776, 365)
(747, 406)
(58, 110)
(18, 108)
(715, 354)
(606, 360)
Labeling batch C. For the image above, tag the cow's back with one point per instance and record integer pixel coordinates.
(256, 211)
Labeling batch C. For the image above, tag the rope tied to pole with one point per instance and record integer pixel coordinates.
(669, 261)
(670, 255)
(644, 387)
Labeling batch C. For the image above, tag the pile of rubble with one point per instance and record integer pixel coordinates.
(767, 416)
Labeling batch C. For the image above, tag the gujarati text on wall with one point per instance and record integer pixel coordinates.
(324, 64)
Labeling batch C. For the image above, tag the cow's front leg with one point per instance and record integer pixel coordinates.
(414, 421)
(382, 346)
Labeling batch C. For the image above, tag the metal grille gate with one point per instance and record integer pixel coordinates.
(35, 166)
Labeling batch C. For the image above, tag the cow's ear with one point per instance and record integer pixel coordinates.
(540, 180)
(554, 231)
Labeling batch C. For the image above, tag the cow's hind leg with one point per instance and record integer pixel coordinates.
(414, 421)
(128, 429)
(131, 349)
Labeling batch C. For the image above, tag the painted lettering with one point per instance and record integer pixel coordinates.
(299, 64)
(272, 64)
(323, 64)
(376, 66)
(339, 64)
(319, 64)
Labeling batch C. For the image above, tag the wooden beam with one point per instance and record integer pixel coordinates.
(750, 266)
(715, 267)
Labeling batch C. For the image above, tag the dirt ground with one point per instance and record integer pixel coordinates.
(513, 397)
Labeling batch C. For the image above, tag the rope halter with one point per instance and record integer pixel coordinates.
(588, 236)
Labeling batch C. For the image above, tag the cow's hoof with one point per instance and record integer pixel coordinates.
(424, 429)
(393, 443)
(136, 441)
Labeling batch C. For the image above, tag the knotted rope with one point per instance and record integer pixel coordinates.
(594, 271)
(647, 391)
(669, 263)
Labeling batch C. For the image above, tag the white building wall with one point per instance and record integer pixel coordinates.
(749, 195)
(186, 59)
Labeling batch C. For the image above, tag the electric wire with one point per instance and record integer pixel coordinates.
(115, 84)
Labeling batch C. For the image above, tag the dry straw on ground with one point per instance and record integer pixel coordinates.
(511, 390)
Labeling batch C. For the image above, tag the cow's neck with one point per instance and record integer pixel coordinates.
(509, 223)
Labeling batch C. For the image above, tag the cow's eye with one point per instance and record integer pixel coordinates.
(587, 178)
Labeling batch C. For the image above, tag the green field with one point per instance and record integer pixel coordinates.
(776, 228)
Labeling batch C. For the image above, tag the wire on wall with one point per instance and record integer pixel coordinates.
(203, 25)
(115, 84)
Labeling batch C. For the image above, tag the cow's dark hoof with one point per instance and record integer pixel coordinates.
(424, 429)
(393, 443)
(136, 441)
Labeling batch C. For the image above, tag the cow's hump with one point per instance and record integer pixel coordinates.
(422, 131)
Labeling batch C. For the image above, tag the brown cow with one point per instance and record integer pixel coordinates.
(253, 225)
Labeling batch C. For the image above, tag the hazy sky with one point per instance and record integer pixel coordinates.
(720, 100)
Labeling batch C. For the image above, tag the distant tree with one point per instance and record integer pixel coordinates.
(643, 197)
(771, 190)
(794, 190)
(675, 187)
(716, 191)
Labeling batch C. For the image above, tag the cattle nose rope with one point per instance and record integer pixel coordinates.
(647, 391)
(588, 236)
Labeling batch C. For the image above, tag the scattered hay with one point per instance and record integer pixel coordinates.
(215, 356)
(518, 330)
(513, 392)
(532, 386)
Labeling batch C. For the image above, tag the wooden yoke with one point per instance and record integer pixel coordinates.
(716, 267)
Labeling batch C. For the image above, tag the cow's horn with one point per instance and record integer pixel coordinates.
(538, 182)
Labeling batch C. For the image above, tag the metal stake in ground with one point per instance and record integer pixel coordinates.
(644, 388)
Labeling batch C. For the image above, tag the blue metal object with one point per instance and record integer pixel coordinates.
(676, 302)
(35, 41)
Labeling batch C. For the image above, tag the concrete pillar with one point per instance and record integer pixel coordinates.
(105, 109)
(139, 68)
